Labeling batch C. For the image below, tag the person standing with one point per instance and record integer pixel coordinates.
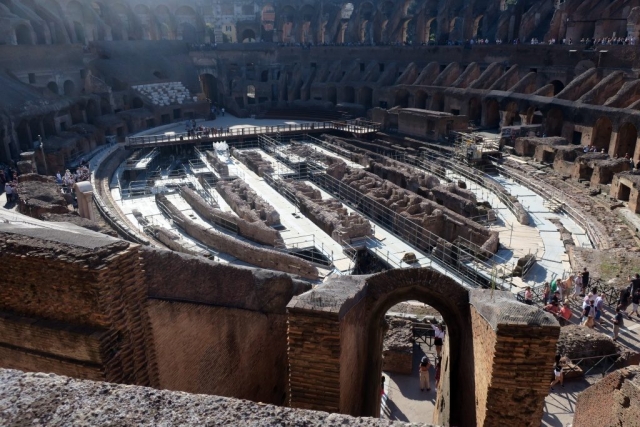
(558, 375)
(585, 279)
(424, 373)
(635, 301)
(565, 313)
(222, 111)
(528, 296)
(599, 304)
(623, 301)
(577, 281)
(617, 323)
(9, 192)
(438, 339)
(545, 293)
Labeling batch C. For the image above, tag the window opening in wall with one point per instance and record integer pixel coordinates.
(624, 193)
(63, 126)
(32, 78)
(455, 112)
(177, 113)
(577, 138)
(251, 94)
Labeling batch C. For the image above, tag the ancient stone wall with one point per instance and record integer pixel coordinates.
(397, 350)
(612, 401)
(514, 350)
(217, 164)
(254, 161)
(257, 231)
(260, 257)
(40, 195)
(625, 187)
(83, 289)
(328, 214)
(246, 202)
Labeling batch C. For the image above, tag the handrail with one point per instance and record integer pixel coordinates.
(355, 126)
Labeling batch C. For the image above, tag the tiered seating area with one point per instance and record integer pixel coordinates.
(310, 114)
(170, 93)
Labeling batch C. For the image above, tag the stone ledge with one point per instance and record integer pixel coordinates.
(51, 400)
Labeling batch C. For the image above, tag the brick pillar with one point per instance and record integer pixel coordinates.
(514, 351)
(313, 340)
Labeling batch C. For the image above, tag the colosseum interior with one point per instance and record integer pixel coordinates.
(269, 212)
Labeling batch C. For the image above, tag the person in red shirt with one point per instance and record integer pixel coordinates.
(553, 308)
(565, 313)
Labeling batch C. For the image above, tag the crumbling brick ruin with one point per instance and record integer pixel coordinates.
(254, 161)
(329, 214)
(261, 257)
(246, 202)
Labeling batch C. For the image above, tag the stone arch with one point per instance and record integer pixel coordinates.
(365, 96)
(92, 111)
(23, 34)
(137, 102)
(251, 94)
(627, 139)
(558, 86)
(349, 94)
(420, 100)
(267, 22)
(491, 114)
(475, 110)
(188, 32)
(365, 32)
(78, 30)
(248, 36)
(287, 19)
(332, 95)
(455, 29)
(602, 133)
(511, 116)
(120, 22)
(69, 88)
(401, 98)
(53, 87)
(477, 27)
(554, 122)
(210, 87)
(431, 31)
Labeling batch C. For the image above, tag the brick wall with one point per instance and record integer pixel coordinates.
(483, 349)
(74, 304)
(314, 360)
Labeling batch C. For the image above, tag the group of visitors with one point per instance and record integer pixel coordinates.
(82, 173)
(9, 183)
(558, 295)
(608, 41)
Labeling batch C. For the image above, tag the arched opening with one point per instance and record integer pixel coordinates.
(37, 129)
(554, 122)
(268, 18)
(534, 116)
(349, 94)
(347, 11)
(475, 111)
(69, 88)
(366, 22)
(24, 136)
(105, 106)
(602, 134)
(189, 33)
(387, 9)
(557, 87)
(431, 30)
(264, 76)
(409, 32)
(477, 27)
(209, 86)
(455, 29)
(511, 115)
(306, 33)
(420, 100)
(137, 103)
(401, 98)
(53, 87)
(251, 94)
(437, 103)
(23, 35)
(248, 36)
(92, 111)
(288, 17)
(332, 94)
(78, 28)
(627, 138)
(365, 97)
(492, 114)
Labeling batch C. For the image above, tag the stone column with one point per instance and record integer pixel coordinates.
(514, 349)
(84, 194)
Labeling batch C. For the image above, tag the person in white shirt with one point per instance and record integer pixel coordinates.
(438, 339)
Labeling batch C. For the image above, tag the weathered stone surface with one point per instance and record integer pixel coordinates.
(612, 401)
(578, 341)
(397, 349)
(246, 202)
(254, 161)
(51, 400)
(40, 195)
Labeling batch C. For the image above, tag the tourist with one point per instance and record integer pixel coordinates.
(558, 375)
(577, 282)
(546, 291)
(588, 312)
(565, 313)
(424, 373)
(634, 283)
(553, 308)
(623, 301)
(617, 323)
(8, 190)
(585, 280)
(599, 305)
(222, 111)
(438, 339)
(554, 287)
(635, 301)
(528, 296)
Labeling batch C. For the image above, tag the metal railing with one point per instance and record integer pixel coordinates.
(354, 126)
